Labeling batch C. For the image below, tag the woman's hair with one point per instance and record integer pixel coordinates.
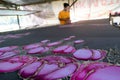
(65, 5)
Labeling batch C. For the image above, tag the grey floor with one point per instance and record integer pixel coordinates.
(98, 34)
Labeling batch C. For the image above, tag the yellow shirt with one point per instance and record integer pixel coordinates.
(64, 15)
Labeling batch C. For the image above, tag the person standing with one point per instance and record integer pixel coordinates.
(64, 15)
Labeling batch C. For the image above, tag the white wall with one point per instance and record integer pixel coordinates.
(82, 10)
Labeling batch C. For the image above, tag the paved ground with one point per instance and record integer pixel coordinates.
(96, 33)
